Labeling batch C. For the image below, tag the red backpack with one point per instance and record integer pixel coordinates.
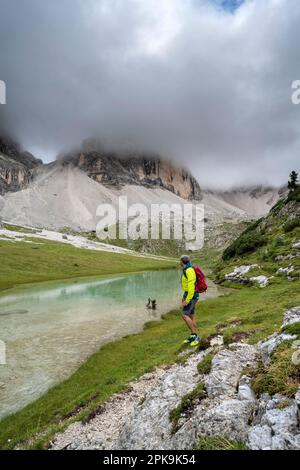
(201, 282)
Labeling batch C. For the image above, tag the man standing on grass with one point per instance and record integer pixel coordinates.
(189, 300)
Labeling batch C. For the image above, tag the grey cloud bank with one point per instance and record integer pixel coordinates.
(209, 87)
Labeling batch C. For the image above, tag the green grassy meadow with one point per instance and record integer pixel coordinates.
(43, 260)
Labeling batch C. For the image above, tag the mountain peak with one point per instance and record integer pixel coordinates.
(116, 169)
(16, 166)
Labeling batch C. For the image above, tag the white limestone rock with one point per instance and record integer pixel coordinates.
(291, 316)
(266, 347)
(226, 369)
(262, 280)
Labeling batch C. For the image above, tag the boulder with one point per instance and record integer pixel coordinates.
(262, 281)
(149, 426)
(288, 270)
(238, 275)
(226, 370)
(291, 316)
(278, 427)
(267, 346)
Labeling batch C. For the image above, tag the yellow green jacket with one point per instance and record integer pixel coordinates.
(188, 281)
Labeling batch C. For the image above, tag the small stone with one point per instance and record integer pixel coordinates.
(245, 391)
(217, 341)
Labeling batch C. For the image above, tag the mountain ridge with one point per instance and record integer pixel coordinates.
(67, 192)
(150, 170)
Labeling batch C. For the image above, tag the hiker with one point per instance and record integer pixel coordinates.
(193, 281)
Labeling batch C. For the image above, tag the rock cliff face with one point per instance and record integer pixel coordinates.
(146, 170)
(16, 166)
(17, 169)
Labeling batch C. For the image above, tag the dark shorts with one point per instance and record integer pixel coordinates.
(190, 308)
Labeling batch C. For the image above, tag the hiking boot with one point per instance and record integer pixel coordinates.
(196, 341)
(190, 339)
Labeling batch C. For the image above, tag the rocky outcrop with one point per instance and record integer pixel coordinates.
(296, 246)
(140, 417)
(291, 316)
(277, 425)
(16, 166)
(267, 347)
(238, 276)
(112, 169)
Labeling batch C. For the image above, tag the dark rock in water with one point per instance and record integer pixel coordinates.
(151, 304)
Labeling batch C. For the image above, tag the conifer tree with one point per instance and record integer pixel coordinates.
(293, 182)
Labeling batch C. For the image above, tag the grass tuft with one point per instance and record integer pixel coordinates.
(186, 405)
(292, 329)
(281, 376)
(203, 344)
(218, 443)
(204, 366)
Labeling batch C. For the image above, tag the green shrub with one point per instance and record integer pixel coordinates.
(267, 254)
(291, 224)
(205, 365)
(278, 206)
(294, 195)
(279, 241)
(247, 242)
(252, 227)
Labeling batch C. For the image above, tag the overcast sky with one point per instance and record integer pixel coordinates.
(206, 82)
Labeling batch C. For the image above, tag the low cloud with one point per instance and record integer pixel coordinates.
(208, 85)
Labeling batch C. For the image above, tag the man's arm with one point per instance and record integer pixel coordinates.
(191, 278)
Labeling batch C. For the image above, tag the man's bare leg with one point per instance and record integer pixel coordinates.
(192, 317)
(190, 323)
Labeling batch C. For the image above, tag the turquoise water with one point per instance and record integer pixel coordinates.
(50, 330)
